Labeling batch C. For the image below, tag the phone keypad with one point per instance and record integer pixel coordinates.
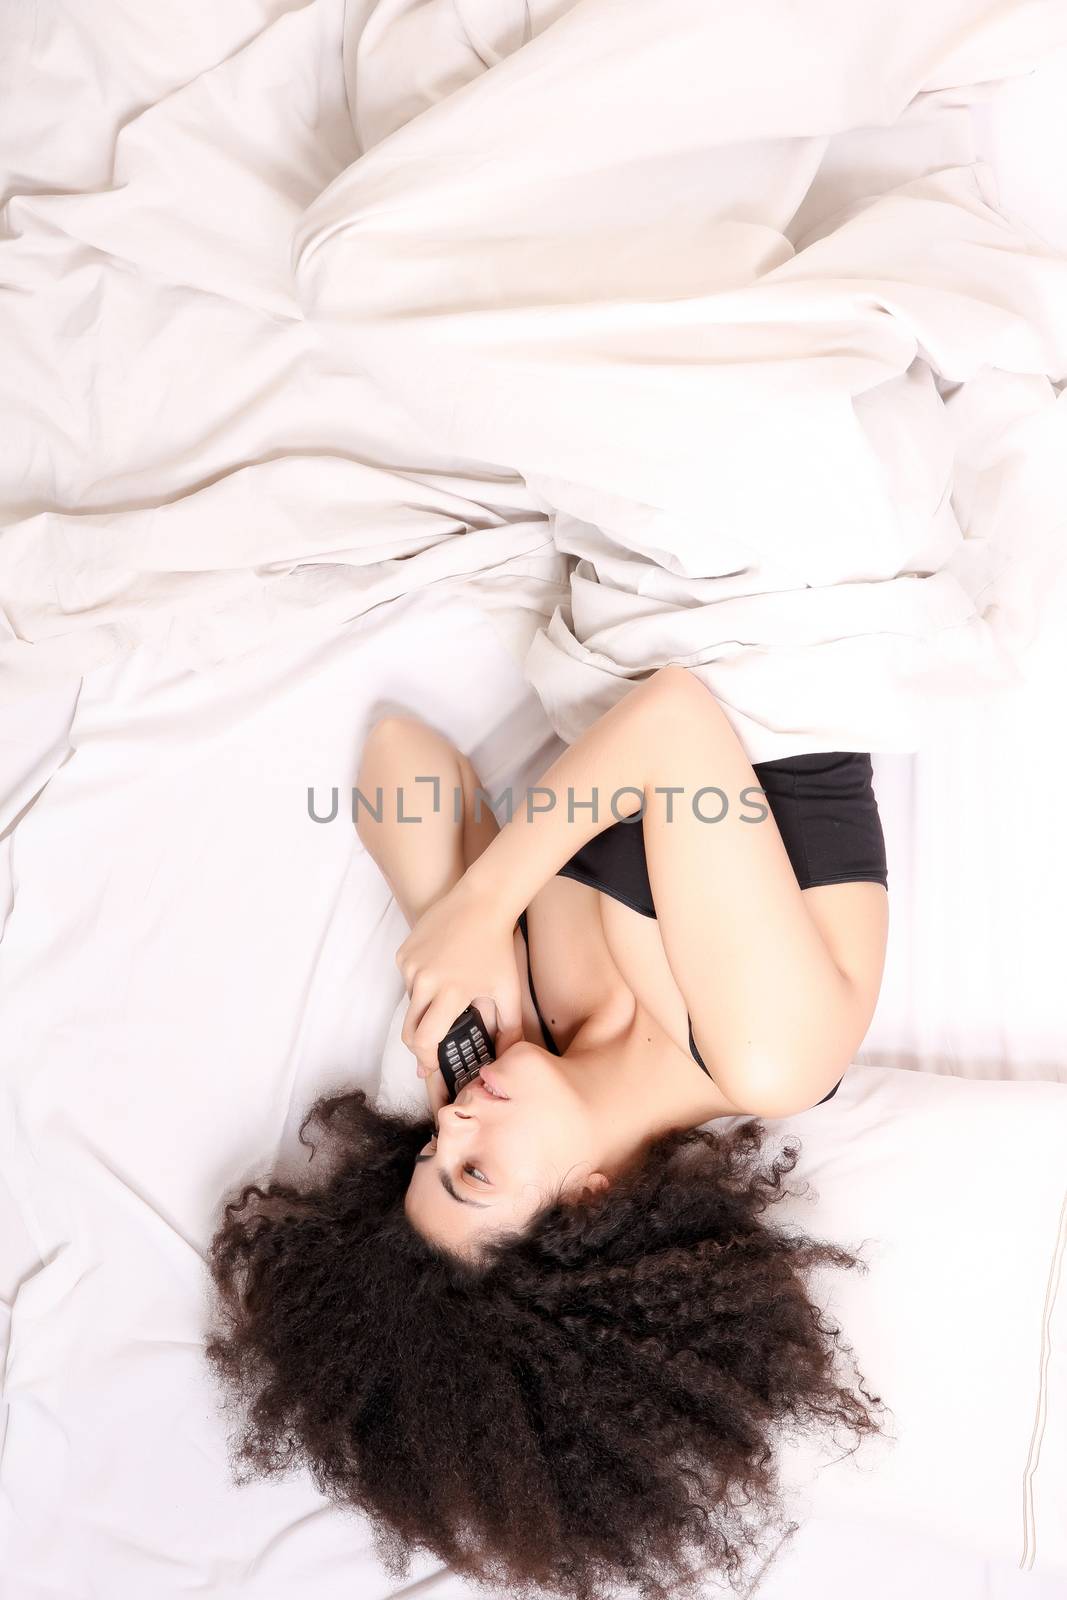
(465, 1053)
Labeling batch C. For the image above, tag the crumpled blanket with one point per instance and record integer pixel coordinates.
(692, 332)
(727, 287)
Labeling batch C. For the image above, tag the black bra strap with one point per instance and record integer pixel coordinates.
(550, 1043)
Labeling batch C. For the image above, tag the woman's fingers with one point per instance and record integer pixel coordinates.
(417, 1007)
(503, 1015)
(429, 1017)
(436, 1093)
(436, 1021)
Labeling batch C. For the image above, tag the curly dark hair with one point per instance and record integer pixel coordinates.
(592, 1402)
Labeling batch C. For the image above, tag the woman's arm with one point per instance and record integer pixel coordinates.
(629, 748)
(775, 1018)
(777, 1014)
(462, 947)
(425, 858)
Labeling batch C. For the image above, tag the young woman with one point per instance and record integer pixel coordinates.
(542, 1331)
(701, 932)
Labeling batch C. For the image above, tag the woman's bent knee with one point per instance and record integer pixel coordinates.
(395, 727)
(397, 752)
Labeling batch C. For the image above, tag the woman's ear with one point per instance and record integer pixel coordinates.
(598, 1182)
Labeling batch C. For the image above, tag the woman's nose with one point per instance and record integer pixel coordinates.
(449, 1115)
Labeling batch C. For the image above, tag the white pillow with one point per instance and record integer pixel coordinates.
(954, 1190)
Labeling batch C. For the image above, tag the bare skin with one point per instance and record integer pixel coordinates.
(606, 987)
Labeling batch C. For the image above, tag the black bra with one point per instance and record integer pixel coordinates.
(826, 812)
(549, 1041)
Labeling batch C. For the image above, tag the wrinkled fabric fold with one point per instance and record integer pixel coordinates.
(772, 434)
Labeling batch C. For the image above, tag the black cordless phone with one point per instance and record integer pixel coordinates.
(464, 1050)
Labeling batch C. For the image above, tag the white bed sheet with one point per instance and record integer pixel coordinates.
(187, 959)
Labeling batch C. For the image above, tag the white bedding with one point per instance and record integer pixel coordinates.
(188, 962)
(756, 334)
(227, 547)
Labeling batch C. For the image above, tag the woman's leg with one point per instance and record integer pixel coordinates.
(420, 860)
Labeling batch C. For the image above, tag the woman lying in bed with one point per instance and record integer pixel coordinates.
(543, 1331)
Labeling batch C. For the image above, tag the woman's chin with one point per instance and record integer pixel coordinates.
(510, 1072)
(523, 1052)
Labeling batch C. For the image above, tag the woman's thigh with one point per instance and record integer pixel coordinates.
(431, 828)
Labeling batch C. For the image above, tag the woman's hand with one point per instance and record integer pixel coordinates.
(436, 1092)
(461, 951)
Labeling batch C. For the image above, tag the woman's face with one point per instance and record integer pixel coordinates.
(494, 1161)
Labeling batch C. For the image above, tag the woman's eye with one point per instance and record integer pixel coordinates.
(475, 1172)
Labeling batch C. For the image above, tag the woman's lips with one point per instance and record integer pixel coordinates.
(491, 1085)
(476, 1088)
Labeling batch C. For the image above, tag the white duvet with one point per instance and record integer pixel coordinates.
(726, 286)
(710, 308)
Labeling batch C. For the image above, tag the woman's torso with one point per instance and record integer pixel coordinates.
(594, 941)
(588, 952)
